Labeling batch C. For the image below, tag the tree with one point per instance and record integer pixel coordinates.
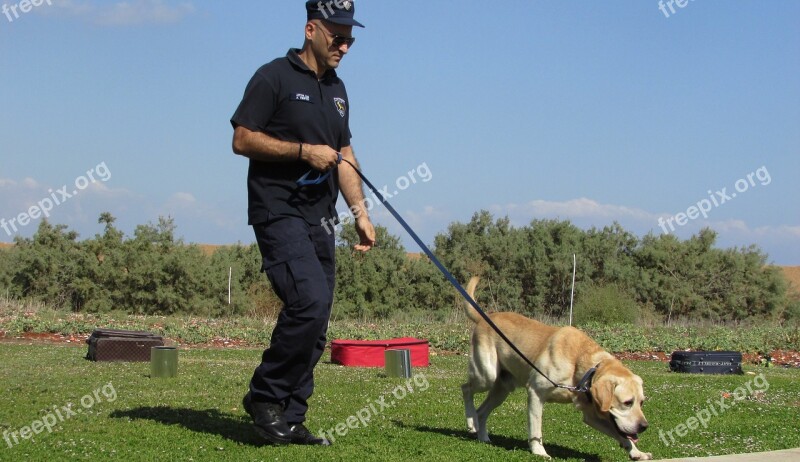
(47, 267)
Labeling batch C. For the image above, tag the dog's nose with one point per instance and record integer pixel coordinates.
(643, 426)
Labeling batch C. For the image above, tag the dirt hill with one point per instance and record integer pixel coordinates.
(792, 273)
(209, 249)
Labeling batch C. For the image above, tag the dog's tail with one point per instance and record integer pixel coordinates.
(471, 312)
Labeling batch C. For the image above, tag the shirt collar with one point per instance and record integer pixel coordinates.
(294, 57)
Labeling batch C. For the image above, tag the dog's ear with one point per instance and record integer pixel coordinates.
(603, 393)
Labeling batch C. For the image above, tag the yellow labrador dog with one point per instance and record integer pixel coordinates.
(613, 404)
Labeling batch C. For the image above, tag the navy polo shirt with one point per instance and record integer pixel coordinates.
(285, 100)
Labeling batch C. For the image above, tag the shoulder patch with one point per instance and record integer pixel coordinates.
(341, 106)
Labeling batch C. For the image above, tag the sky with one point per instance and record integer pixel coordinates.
(663, 119)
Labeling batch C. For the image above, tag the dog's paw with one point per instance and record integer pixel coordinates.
(538, 449)
(638, 455)
(542, 454)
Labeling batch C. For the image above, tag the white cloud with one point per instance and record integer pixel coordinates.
(127, 13)
(575, 208)
(428, 214)
(785, 230)
(193, 214)
(741, 230)
(181, 199)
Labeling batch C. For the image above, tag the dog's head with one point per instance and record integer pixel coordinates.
(617, 397)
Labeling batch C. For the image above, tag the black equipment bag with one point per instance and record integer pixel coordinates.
(121, 345)
(706, 362)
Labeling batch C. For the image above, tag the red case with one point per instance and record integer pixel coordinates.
(370, 353)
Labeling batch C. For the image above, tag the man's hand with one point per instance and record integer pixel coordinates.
(319, 156)
(366, 232)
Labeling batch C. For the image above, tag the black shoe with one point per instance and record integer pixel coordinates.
(301, 435)
(269, 421)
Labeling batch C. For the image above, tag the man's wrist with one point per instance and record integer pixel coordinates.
(300, 152)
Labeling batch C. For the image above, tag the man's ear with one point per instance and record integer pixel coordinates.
(603, 394)
(309, 30)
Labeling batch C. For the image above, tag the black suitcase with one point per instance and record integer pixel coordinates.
(121, 345)
(706, 362)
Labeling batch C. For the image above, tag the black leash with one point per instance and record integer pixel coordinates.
(584, 384)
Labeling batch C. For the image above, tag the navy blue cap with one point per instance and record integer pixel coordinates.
(335, 11)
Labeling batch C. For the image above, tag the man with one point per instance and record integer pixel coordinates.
(293, 120)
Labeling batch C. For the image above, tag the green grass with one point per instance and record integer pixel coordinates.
(197, 416)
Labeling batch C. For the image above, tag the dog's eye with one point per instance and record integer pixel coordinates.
(628, 403)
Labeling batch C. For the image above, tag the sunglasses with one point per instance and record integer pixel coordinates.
(338, 40)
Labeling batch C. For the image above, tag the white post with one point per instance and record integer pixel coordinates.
(230, 276)
(572, 292)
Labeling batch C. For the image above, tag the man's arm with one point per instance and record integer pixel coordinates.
(353, 192)
(264, 148)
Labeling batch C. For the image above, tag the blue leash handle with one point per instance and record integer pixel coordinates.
(321, 177)
(581, 388)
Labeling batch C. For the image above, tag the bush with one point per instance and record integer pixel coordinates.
(605, 305)
(792, 313)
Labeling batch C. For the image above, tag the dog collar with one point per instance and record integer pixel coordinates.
(586, 382)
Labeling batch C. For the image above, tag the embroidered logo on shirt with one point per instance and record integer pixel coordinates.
(341, 106)
(301, 97)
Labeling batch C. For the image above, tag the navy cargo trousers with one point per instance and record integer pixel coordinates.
(299, 260)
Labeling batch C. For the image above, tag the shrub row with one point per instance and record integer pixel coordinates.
(620, 278)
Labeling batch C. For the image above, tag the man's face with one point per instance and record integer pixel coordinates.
(325, 37)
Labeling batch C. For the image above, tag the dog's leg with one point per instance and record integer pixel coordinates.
(535, 407)
(469, 406)
(479, 380)
(482, 374)
(497, 394)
